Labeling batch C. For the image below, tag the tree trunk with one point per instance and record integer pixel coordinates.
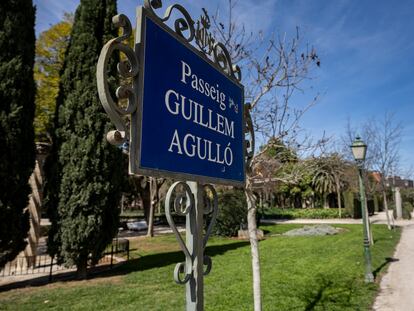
(261, 201)
(304, 202)
(146, 202)
(338, 196)
(82, 268)
(150, 223)
(384, 196)
(254, 245)
(122, 203)
(153, 193)
(369, 229)
(325, 201)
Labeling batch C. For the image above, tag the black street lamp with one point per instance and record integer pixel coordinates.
(359, 150)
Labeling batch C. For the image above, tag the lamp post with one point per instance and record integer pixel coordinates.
(359, 150)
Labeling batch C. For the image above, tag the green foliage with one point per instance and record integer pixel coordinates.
(371, 206)
(408, 206)
(232, 212)
(84, 171)
(301, 213)
(377, 203)
(407, 195)
(298, 273)
(277, 149)
(291, 188)
(406, 214)
(305, 185)
(351, 204)
(407, 209)
(50, 52)
(323, 182)
(17, 91)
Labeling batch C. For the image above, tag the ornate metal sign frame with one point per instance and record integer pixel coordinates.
(229, 71)
(186, 32)
(192, 199)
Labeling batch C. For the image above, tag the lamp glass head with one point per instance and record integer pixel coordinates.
(359, 149)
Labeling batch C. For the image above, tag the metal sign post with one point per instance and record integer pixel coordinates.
(193, 200)
(184, 118)
(194, 227)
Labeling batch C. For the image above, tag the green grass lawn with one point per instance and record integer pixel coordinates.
(298, 273)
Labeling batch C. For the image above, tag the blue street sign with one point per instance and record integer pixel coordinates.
(191, 119)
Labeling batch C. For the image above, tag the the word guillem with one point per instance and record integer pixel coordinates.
(179, 105)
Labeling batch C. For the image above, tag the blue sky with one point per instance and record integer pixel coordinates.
(366, 49)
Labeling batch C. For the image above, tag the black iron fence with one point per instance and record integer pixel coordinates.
(23, 265)
(41, 264)
(118, 247)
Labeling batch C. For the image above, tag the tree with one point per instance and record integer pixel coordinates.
(149, 191)
(328, 177)
(232, 214)
(337, 166)
(17, 91)
(50, 52)
(347, 140)
(155, 186)
(384, 143)
(293, 185)
(324, 183)
(84, 174)
(383, 137)
(279, 169)
(272, 74)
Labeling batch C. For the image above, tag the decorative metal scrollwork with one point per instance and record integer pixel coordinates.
(198, 31)
(127, 68)
(181, 25)
(183, 202)
(210, 207)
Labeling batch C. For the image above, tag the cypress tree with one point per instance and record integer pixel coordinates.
(17, 91)
(84, 171)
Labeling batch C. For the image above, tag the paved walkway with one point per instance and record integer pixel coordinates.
(397, 286)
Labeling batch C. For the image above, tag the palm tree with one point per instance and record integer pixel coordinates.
(328, 177)
(324, 183)
(337, 167)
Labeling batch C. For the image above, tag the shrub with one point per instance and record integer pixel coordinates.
(306, 213)
(371, 206)
(407, 209)
(408, 206)
(351, 205)
(406, 214)
(378, 203)
(232, 213)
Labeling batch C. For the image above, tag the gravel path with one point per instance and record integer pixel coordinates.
(397, 286)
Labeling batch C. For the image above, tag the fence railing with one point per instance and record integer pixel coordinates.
(118, 246)
(25, 265)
